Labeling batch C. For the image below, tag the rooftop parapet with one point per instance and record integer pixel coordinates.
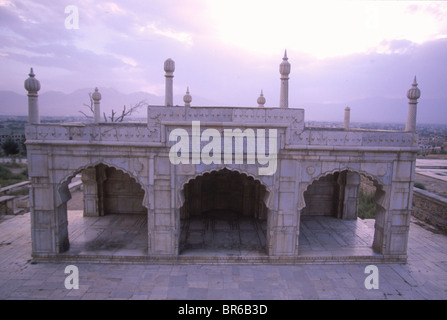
(162, 120)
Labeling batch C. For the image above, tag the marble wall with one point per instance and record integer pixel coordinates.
(140, 152)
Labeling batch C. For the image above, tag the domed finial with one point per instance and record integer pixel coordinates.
(284, 67)
(414, 93)
(187, 98)
(261, 100)
(96, 96)
(169, 66)
(32, 85)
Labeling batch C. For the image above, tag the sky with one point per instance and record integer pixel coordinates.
(341, 52)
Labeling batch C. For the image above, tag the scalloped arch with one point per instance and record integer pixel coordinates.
(64, 182)
(268, 193)
(377, 183)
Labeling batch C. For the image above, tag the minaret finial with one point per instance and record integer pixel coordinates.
(284, 70)
(261, 100)
(187, 98)
(413, 94)
(96, 97)
(32, 85)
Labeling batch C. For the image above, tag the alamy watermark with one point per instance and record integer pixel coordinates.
(72, 20)
(372, 281)
(187, 149)
(72, 280)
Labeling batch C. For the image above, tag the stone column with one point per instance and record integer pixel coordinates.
(49, 225)
(413, 95)
(283, 222)
(32, 85)
(284, 69)
(397, 223)
(101, 177)
(43, 229)
(169, 68)
(350, 196)
(163, 220)
(90, 192)
(96, 96)
(347, 118)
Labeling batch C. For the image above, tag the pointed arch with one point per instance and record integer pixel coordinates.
(137, 205)
(376, 181)
(224, 208)
(268, 198)
(380, 199)
(63, 184)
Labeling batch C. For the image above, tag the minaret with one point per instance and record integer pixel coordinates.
(32, 85)
(347, 118)
(261, 100)
(187, 98)
(413, 95)
(284, 69)
(96, 97)
(169, 67)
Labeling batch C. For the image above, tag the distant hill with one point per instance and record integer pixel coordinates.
(12, 103)
(376, 109)
(57, 104)
(379, 109)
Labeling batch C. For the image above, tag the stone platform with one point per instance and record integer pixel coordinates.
(424, 276)
(123, 238)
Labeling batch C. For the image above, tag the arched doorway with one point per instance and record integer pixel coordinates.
(224, 213)
(106, 214)
(333, 222)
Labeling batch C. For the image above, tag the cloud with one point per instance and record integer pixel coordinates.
(395, 46)
(182, 37)
(123, 44)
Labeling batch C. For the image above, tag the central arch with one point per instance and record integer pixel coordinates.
(224, 212)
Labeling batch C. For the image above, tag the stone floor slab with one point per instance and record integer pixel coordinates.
(424, 276)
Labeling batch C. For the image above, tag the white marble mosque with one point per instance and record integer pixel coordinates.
(200, 198)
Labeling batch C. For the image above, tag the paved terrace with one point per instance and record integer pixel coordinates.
(423, 277)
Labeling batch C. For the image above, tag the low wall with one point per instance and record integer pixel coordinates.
(21, 202)
(430, 208)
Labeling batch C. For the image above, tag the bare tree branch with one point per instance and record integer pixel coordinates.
(91, 106)
(87, 116)
(132, 109)
(124, 113)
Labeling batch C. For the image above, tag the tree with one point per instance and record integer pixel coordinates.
(10, 147)
(113, 118)
(22, 146)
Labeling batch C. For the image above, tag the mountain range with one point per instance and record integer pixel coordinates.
(375, 109)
